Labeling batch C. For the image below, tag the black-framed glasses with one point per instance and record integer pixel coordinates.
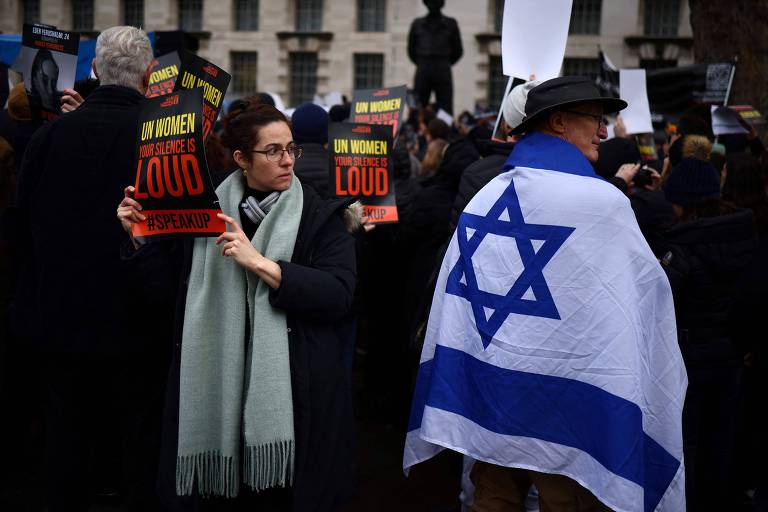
(275, 153)
(601, 121)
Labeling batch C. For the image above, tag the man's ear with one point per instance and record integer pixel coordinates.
(557, 122)
(93, 68)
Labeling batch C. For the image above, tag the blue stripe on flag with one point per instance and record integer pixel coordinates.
(554, 409)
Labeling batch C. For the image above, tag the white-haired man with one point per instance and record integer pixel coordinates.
(73, 294)
(551, 354)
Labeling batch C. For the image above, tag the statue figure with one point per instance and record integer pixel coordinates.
(434, 45)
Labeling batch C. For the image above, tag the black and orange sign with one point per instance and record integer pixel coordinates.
(198, 72)
(173, 184)
(162, 77)
(361, 166)
(380, 106)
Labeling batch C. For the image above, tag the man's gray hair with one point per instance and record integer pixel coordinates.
(123, 55)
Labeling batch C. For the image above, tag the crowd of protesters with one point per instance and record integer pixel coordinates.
(133, 362)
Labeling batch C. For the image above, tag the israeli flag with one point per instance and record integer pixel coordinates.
(551, 343)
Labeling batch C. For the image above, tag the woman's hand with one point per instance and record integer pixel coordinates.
(655, 181)
(128, 213)
(238, 247)
(627, 172)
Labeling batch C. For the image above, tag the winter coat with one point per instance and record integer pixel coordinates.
(478, 174)
(312, 168)
(17, 133)
(704, 260)
(654, 215)
(72, 294)
(315, 292)
(432, 211)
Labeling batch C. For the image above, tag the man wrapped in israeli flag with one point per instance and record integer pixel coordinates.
(551, 354)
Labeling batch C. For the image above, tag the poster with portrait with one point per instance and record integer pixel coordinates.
(197, 72)
(163, 74)
(173, 183)
(361, 166)
(380, 106)
(48, 62)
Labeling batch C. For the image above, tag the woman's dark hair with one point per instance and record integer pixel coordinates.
(219, 159)
(242, 125)
(439, 129)
(714, 207)
(745, 186)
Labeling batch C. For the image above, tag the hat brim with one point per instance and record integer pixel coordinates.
(610, 106)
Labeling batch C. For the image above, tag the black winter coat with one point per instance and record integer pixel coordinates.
(72, 292)
(704, 260)
(312, 167)
(316, 292)
(17, 133)
(478, 174)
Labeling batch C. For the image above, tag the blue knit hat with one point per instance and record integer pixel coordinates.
(691, 182)
(309, 124)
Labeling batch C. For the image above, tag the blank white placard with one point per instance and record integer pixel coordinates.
(637, 116)
(533, 37)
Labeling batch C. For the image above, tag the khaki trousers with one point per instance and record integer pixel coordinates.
(503, 489)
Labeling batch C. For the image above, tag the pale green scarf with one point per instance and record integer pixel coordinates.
(235, 397)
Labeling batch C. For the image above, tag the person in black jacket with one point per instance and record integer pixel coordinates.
(745, 186)
(309, 124)
(310, 287)
(72, 295)
(705, 254)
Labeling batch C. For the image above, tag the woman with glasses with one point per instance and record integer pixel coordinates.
(258, 407)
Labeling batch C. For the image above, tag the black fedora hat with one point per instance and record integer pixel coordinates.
(562, 91)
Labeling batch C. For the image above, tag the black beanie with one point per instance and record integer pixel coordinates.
(339, 113)
(309, 124)
(692, 182)
(613, 154)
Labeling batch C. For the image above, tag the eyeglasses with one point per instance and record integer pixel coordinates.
(275, 153)
(601, 121)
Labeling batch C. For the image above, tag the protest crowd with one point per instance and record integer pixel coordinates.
(579, 320)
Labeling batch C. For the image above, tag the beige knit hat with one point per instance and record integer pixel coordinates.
(513, 108)
(18, 103)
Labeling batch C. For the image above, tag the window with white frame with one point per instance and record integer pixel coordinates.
(244, 66)
(82, 15)
(661, 17)
(191, 15)
(246, 14)
(369, 70)
(309, 15)
(303, 77)
(371, 15)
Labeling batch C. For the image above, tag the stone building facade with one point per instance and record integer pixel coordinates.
(297, 47)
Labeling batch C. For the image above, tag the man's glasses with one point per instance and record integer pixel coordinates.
(601, 121)
(275, 153)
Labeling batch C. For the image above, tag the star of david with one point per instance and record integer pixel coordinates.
(505, 218)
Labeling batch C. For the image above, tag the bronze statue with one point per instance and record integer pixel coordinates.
(434, 45)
